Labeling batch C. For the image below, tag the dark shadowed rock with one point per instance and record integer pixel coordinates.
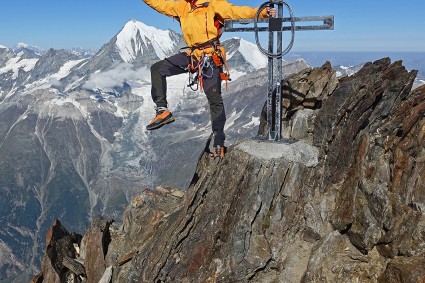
(341, 203)
(404, 269)
(73, 265)
(59, 247)
(94, 248)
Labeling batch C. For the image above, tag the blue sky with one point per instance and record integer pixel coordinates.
(359, 25)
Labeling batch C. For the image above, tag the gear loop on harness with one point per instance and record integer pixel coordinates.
(211, 57)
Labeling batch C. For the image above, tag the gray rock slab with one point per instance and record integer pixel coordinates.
(292, 151)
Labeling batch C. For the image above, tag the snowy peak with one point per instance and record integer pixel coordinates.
(86, 53)
(28, 48)
(244, 55)
(136, 37)
(251, 53)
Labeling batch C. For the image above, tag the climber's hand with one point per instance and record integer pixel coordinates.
(271, 12)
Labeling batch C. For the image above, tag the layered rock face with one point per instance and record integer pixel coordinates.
(340, 199)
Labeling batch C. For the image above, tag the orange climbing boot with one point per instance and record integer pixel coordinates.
(218, 151)
(163, 117)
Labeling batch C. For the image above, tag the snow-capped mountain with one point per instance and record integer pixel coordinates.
(243, 55)
(86, 53)
(5, 55)
(342, 70)
(136, 40)
(136, 44)
(74, 129)
(35, 50)
(125, 56)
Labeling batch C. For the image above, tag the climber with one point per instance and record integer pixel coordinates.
(201, 23)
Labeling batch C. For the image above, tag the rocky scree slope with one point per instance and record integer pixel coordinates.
(343, 202)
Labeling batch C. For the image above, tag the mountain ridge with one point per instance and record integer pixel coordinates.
(315, 208)
(74, 128)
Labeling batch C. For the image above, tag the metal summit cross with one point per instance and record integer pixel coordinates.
(276, 52)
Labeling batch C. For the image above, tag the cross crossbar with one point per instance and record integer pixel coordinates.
(276, 52)
(328, 24)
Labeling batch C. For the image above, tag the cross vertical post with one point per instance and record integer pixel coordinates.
(276, 26)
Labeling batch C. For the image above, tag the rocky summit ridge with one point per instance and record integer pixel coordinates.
(74, 129)
(340, 199)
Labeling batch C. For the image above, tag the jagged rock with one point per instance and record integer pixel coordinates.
(409, 270)
(107, 275)
(152, 209)
(300, 128)
(59, 246)
(372, 207)
(275, 219)
(215, 235)
(37, 278)
(342, 204)
(303, 90)
(73, 265)
(94, 247)
(309, 87)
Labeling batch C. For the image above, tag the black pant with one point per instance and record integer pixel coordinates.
(176, 65)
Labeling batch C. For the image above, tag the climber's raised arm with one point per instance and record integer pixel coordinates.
(166, 7)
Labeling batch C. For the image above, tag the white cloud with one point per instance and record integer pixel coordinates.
(121, 73)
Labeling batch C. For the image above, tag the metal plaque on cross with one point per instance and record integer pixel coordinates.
(275, 27)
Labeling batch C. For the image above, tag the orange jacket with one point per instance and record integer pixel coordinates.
(197, 19)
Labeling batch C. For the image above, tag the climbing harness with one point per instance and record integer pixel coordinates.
(203, 68)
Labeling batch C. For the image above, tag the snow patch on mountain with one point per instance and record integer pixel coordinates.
(243, 53)
(3, 47)
(235, 74)
(252, 54)
(53, 80)
(135, 34)
(345, 67)
(231, 119)
(74, 84)
(345, 70)
(255, 121)
(176, 96)
(16, 63)
(65, 69)
(64, 102)
(86, 53)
